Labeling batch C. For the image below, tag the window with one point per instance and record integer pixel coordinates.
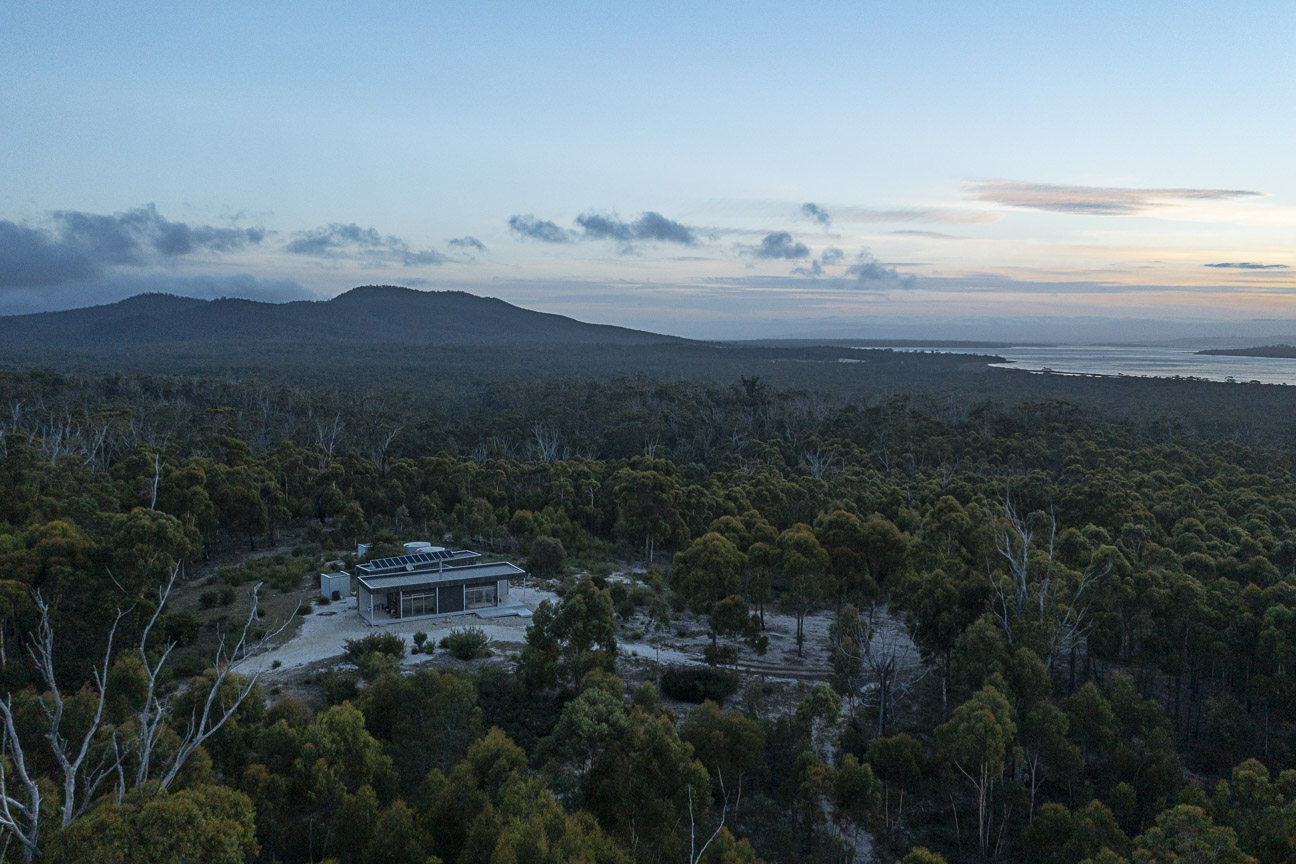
(480, 595)
(418, 604)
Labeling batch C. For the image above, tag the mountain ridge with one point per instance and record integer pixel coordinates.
(366, 315)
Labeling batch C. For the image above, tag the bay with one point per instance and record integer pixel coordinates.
(1141, 361)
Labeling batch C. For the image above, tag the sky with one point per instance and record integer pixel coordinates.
(724, 170)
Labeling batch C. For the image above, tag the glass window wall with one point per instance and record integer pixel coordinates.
(481, 595)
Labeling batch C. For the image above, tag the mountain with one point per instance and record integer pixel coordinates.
(373, 315)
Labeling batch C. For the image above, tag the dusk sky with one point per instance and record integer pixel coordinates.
(705, 169)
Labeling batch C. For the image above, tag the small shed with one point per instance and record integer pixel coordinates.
(335, 586)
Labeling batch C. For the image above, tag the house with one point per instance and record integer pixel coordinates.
(431, 581)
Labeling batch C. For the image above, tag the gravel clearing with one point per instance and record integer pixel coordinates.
(324, 632)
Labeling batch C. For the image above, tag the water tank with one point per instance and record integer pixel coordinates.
(417, 546)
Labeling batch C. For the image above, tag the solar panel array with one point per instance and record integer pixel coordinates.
(403, 562)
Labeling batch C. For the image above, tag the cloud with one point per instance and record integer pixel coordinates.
(930, 215)
(30, 257)
(930, 235)
(817, 213)
(1092, 200)
(338, 240)
(1247, 265)
(602, 227)
(650, 226)
(133, 237)
(531, 228)
(868, 269)
(656, 227)
(830, 257)
(468, 242)
(778, 245)
(79, 246)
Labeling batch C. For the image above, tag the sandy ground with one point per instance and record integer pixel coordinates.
(324, 632)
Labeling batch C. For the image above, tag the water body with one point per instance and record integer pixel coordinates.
(1143, 361)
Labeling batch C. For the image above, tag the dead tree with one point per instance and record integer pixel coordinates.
(695, 854)
(98, 753)
(888, 654)
(1025, 600)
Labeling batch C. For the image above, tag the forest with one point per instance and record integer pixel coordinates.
(1061, 615)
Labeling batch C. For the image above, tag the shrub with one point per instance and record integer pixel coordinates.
(689, 684)
(213, 598)
(282, 572)
(190, 666)
(375, 643)
(337, 687)
(419, 638)
(721, 655)
(467, 643)
(180, 627)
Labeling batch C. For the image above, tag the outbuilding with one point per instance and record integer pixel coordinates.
(335, 586)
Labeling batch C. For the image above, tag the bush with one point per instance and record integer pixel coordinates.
(283, 573)
(467, 643)
(215, 597)
(689, 684)
(375, 643)
(191, 665)
(337, 687)
(721, 655)
(180, 627)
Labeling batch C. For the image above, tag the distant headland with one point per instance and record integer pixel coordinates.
(1283, 351)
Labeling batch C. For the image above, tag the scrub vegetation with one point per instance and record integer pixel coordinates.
(1058, 630)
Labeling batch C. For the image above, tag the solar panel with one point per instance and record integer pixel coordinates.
(402, 562)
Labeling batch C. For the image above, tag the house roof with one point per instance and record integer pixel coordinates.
(502, 570)
(430, 559)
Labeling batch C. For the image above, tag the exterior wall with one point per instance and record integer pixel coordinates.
(450, 598)
(363, 599)
(339, 582)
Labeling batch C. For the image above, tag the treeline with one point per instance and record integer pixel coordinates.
(1054, 639)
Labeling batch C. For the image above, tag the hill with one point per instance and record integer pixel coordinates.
(1283, 351)
(366, 316)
